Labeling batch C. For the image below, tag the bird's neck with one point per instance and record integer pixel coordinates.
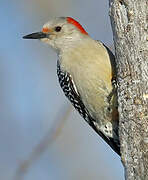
(69, 42)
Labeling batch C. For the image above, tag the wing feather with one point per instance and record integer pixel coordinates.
(70, 91)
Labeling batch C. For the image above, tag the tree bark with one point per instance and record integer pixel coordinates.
(129, 19)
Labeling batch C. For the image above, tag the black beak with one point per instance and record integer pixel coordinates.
(37, 35)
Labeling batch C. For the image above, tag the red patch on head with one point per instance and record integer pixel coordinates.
(45, 30)
(76, 24)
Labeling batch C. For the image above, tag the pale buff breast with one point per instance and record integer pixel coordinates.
(90, 68)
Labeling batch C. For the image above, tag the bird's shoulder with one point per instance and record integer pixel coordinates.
(111, 57)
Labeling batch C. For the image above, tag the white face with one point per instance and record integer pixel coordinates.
(60, 33)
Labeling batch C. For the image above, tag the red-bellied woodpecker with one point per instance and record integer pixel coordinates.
(86, 71)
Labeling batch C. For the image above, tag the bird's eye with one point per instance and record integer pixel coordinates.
(58, 28)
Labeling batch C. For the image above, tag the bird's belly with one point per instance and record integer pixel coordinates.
(94, 93)
(91, 71)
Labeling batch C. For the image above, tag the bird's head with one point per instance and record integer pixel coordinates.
(60, 33)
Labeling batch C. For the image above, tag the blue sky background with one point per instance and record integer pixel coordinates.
(31, 100)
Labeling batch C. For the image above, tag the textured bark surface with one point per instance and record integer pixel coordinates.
(129, 19)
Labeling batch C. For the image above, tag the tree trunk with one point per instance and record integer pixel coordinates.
(129, 19)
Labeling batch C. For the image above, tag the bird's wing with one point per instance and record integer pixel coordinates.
(70, 90)
(112, 60)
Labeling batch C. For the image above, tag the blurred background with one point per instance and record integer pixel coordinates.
(41, 136)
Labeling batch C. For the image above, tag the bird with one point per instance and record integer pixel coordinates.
(86, 70)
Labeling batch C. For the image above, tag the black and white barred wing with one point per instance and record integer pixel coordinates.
(70, 91)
